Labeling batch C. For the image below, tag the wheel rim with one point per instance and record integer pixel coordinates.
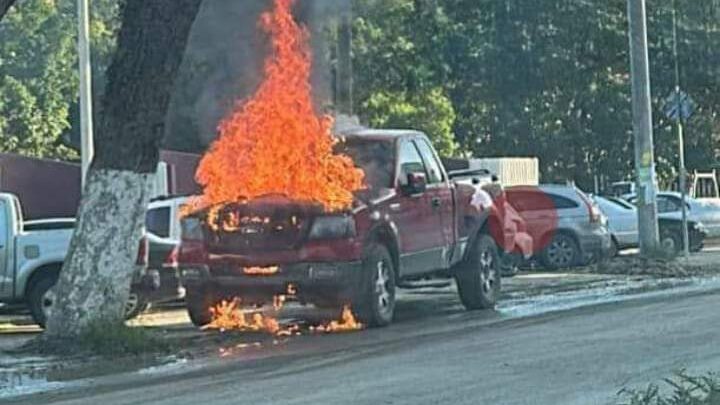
(383, 288)
(561, 252)
(488, 272)
(669, 244)
(47, 301)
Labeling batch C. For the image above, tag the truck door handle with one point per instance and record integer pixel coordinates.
(435, 202)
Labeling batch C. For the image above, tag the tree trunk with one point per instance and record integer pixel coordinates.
(95, 280)
(4, 7)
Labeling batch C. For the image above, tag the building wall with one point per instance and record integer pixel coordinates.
(50, 189)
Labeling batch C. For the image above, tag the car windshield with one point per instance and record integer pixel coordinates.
(375, 157)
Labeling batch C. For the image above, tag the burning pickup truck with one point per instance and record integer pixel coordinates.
(414, 220)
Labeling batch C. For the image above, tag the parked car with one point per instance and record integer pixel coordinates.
(568, 229)
(414, 221)
(706, 212)
(32, 254)
(623, 224)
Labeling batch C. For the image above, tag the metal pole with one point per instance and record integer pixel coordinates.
(642, 129)
(681, 137)
(86, 116)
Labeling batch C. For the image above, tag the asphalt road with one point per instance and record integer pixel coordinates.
(575, 357)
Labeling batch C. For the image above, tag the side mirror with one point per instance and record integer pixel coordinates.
(416, 184)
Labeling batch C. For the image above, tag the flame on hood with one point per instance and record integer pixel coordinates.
(275, 142)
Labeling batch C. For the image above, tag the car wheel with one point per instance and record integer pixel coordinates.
(614, 249)
(671, 243)
(41, 297)
(562, 252)
(375, 304)
(199, 300)
(136, 305)
(478, 277)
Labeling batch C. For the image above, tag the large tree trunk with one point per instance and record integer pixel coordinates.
(4, 7)
(95, 280)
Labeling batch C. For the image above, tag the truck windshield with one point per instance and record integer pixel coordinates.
(375, 157)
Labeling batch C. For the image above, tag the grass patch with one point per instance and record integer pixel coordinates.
(684, 389)
(108, 339)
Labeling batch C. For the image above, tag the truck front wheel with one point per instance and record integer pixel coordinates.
(375, 303)
(478, 277)
(199, 300)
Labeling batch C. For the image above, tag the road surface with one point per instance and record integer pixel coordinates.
(582, 356)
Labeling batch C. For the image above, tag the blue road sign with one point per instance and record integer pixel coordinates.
(679, 105)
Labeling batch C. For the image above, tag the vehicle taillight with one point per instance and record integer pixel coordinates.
(593, 210)
(142, 258)
(172, 258)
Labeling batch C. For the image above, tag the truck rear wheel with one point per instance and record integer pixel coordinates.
(199, 300)
(375, 304)
(478, 278)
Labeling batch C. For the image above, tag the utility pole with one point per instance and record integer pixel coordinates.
(86, 115)
(681, 137)
(642, 130)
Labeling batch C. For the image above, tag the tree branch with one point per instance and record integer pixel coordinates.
(5, 6)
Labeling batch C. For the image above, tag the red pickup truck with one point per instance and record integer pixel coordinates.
(415, 220)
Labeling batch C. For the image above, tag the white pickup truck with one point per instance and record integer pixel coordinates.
(32, 254)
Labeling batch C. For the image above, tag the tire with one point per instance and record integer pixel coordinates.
(40, 297)
(562, 252)
(136, 305)
(614, 249)
(375, 301)
(478, 277)
(198, 301)
(671, 243)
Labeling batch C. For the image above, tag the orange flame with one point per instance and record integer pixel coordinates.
(276, 143)
(229, 316)
(347, 323)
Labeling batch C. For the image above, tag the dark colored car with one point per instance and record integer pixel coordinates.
(415, 220)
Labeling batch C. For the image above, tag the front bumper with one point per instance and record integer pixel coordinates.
(306, 281)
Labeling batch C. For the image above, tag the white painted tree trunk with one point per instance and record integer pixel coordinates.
(95, 280)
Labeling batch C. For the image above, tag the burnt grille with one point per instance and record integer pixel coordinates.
(267, 224)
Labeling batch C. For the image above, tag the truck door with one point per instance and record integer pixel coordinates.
(441, 198)
(6, 271)
(417, 219)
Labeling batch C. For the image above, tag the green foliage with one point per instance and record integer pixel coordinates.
(38, 73)
(431, 112)
(542, 78)
(686, 390)
(36, 79)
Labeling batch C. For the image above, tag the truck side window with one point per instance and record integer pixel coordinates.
(435, 172)
(410, 162)
(157, 221)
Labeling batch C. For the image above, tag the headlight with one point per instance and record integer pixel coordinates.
(333, 227)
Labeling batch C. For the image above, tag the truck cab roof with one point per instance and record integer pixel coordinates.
(383, 134)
